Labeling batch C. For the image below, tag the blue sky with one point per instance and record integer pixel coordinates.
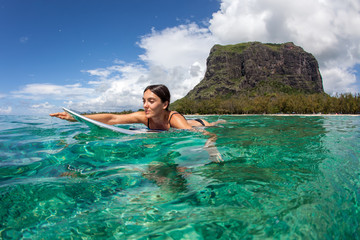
(99, 55)
(54, 40)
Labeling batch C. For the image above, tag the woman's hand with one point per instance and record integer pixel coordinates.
(63, 115)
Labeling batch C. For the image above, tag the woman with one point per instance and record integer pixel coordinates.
(156, 114)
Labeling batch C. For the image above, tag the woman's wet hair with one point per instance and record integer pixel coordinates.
(161, 91)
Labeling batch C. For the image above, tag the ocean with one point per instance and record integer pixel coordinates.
(282, 177)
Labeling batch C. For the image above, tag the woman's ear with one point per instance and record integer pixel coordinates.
(166, 105)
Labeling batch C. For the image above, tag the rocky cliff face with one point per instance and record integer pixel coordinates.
(256, 68)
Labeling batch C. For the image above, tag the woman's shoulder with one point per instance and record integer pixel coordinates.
(139, 115)
(177, 120)
(174, 114)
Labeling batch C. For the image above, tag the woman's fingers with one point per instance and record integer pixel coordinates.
(62, 115)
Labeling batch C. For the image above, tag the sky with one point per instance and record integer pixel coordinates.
(96, 55)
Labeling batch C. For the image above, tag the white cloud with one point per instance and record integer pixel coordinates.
(45, 105)
(5, 110)
(340, 80)
(326, 28)
(24, 39)
(42, 108)
(100, 72)
(2, 95)
(177, 56)
(179, 46)
(239, 21)
(39, 91)
(115, 88)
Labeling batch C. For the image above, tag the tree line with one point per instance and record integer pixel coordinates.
(346, 103)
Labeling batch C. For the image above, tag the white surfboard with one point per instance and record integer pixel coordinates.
(93, 123)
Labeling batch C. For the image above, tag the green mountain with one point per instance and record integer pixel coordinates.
(263, 78)
(257, 69)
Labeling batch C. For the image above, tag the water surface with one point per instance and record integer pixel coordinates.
(283, 177)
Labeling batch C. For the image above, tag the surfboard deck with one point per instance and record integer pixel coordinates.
(96, 124)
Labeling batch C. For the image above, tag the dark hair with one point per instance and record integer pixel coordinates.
(161, 91)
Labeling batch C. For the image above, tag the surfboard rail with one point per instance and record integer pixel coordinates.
(91, 123)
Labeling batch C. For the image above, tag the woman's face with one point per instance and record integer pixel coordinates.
(153, 105)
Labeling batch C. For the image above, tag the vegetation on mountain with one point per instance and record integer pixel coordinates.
(275, 103)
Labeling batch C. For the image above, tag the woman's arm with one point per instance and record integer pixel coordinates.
(108, 118)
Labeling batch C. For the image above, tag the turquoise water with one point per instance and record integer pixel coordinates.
(283, 177)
